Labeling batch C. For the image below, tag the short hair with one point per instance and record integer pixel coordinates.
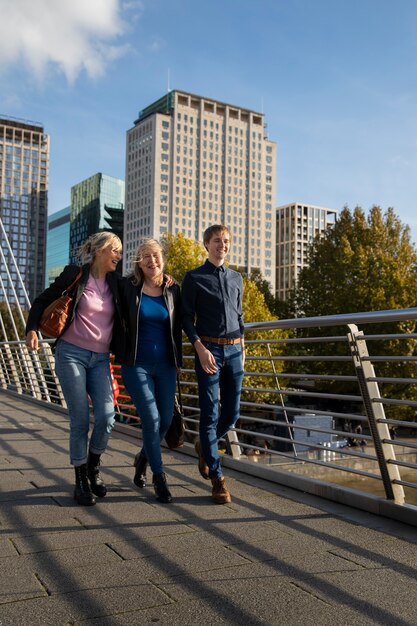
(151, 245)
(88, 250)
(211, 230)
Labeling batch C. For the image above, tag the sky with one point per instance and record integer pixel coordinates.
(336, 80)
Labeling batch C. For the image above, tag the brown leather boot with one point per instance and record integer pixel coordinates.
(220, 493)
(202, 465)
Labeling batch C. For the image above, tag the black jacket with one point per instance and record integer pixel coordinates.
(61, 283)
(125, 340)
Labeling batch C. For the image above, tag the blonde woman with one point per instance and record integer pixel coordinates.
(82, 356)
(150, 356)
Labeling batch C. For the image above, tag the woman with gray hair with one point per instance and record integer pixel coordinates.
(82, 355)
(150, 355)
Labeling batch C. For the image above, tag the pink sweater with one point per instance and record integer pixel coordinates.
(93, 323)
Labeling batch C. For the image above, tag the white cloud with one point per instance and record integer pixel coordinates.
(72, 35)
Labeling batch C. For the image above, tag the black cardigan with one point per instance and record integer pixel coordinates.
(125, 339)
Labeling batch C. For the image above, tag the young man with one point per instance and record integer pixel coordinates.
(213, 320)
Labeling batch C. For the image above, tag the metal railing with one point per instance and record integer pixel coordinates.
(328, 404)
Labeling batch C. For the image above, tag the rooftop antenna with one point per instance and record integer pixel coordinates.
(168, 82)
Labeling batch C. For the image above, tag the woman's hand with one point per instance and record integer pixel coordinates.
(32, 340)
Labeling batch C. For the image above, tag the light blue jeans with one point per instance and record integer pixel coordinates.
(83, 373)
(152, 389)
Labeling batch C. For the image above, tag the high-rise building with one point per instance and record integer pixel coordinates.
(297, 226)
(24, 162)
(57, 244)
(191, 162)
(97, 204)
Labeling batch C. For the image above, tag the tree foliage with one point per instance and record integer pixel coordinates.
(182, 255)
(8, 325)
(361, 264)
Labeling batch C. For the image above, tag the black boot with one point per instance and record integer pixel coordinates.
(82, 491)
(140, 463)
(161, 489)
(93, 470)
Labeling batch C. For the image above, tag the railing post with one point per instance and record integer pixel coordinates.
(233, 441)
(294, 449)
(375, 412)
(11, 368)
(50, 359)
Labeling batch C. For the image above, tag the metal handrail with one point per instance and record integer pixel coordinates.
(292, 419)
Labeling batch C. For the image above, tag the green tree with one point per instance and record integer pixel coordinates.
(361, 264)
(182, 254)
(261, 347)
(7, 323)
(263, 285)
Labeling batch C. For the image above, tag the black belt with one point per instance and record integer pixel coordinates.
(222, 341)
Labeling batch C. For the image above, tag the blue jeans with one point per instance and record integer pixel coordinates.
(83, 373)
(152, 389)
(227, 380)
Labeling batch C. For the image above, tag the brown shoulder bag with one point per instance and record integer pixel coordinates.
(55, 315)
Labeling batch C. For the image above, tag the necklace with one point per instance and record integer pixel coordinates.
(98, 289)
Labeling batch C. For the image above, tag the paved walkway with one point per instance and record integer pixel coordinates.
(273, 556)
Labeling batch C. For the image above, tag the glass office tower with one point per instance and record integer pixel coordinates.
(97, 204)
(24, 161)
(57, 247)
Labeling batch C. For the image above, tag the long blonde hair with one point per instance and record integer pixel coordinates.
(147, 245)
(88, 250)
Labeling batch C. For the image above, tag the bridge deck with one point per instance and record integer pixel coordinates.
(273, 556)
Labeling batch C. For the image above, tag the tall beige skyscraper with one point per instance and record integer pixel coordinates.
(297, 226)
(193, 161)
(24, 162)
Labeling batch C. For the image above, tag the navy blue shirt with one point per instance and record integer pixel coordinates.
(212, 302)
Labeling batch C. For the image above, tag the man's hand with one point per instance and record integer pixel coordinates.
(32, 341)
(207, 360)
(170, 280)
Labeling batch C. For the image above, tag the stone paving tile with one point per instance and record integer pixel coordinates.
(40, 611)
(13, 492)
(19, 581)
(11, 477)
(7, 548)
(41, 514)
(143, 569)
(40, 459)
(191, 613)
(186, 542)
(24, 448)
(81, 538)
(298, 567)
(44, 560)
(236, 531)
(274, 601)
(264, 550)
(75, 607)
(386, 596)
